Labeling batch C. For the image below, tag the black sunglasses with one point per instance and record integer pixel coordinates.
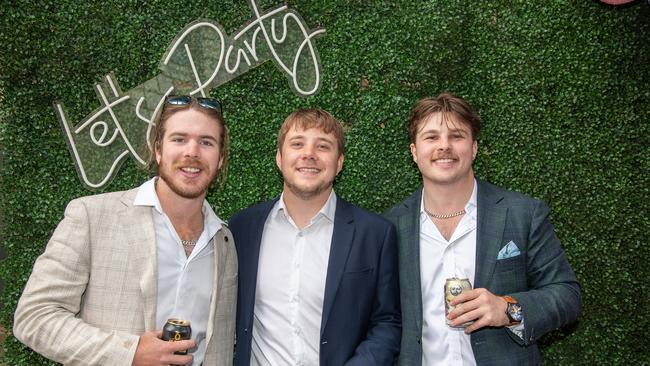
(209, 103)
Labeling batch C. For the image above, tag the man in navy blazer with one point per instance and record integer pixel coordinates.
(318, 277)
(458, 226)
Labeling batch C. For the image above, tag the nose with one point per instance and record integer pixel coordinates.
(308, 152)
(443, 143)
(192, 149)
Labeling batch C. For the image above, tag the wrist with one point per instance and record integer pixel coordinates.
(514, 311)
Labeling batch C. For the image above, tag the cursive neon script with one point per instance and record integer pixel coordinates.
(201, 57)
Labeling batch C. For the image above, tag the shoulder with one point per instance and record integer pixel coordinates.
(512, 199)
(104, 200)
(360, 214)
(251, 212)
(405, 206)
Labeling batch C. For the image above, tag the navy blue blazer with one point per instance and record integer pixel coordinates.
(361, 322)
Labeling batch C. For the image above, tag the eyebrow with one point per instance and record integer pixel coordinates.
(183, 134)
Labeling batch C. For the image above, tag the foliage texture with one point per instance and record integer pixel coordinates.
(562, 88)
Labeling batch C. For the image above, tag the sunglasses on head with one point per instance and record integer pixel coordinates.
(209, 103)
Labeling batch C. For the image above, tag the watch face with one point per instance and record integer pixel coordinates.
(515, 313)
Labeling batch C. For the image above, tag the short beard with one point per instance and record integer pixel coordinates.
(186, 193)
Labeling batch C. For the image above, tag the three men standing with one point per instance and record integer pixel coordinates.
(459, 226)
(120, 264)
(318, 276)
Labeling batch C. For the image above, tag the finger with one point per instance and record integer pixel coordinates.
(466, 317)
(467, 295)
(173, 359)
(180, 345)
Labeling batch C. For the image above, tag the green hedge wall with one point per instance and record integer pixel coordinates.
(562, 87)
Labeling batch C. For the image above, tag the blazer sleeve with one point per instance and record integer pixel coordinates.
(46, 317)
(383, 338)
(553, 298)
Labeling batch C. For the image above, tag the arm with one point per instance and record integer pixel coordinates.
(552, 300)
(46, 317)
(382, 342)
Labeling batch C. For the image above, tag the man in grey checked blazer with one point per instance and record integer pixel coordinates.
(458, 226)
(120, 263)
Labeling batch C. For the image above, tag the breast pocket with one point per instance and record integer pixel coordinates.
(516, 263)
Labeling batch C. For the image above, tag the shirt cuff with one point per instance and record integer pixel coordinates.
(518, 329)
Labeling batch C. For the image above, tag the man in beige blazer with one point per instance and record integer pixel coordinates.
(119, 264)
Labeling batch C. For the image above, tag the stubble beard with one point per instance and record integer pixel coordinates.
(307, 194)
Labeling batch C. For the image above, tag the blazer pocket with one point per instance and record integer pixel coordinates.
(357, 273)
(510, 264)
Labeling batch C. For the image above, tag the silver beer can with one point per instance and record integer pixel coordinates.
(454, 287)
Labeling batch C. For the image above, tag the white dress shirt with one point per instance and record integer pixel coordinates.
(291, 287)
(184, 283)
(441, 259)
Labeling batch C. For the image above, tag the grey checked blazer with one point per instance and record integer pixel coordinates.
(540, 278)
(93, 291)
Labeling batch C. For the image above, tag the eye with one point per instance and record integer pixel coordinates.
(178, 139)
(324, 147)
(207, 142)
(296, 144)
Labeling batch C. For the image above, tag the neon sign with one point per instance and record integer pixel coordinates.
(200, 58)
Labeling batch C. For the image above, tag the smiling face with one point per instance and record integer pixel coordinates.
(309, 160)
(444, 149)
(189, 154)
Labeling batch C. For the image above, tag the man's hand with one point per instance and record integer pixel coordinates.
(154, 351)
(480, 305)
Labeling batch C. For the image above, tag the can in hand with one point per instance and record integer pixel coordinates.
(454, 287)
(177, 330)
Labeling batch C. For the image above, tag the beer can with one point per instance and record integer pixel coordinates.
(177, 330)
(454, 287)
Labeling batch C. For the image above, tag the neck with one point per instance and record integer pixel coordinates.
(302, 210)
(183, 212)
(447, 198)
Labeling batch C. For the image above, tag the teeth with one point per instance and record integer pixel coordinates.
(309, 170)
(191, 170)
(444, 160)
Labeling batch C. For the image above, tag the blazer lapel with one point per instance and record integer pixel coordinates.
(250, 247)
(144, 251)
(340, 248)
(219, 265)
(489, 235)
(408, 228)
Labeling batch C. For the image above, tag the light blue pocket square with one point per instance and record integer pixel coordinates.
(509, 251)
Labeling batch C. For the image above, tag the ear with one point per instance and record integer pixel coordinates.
(157, 152)
(220, 163)
(414, 152)
(278, 159)
(339, 164)
(474, 149)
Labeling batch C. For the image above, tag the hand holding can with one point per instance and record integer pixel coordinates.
(454, 287)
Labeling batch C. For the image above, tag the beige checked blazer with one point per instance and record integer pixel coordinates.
(93, 291)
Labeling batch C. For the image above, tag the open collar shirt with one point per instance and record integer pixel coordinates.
(441, 259)
(184, 283)
(291, 279)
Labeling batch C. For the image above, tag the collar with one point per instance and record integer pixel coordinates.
(470, 206)
(147, 197)
(327, 211)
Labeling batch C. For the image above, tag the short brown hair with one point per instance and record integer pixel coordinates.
(312, 118)
(158, 129)
(445, 103)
